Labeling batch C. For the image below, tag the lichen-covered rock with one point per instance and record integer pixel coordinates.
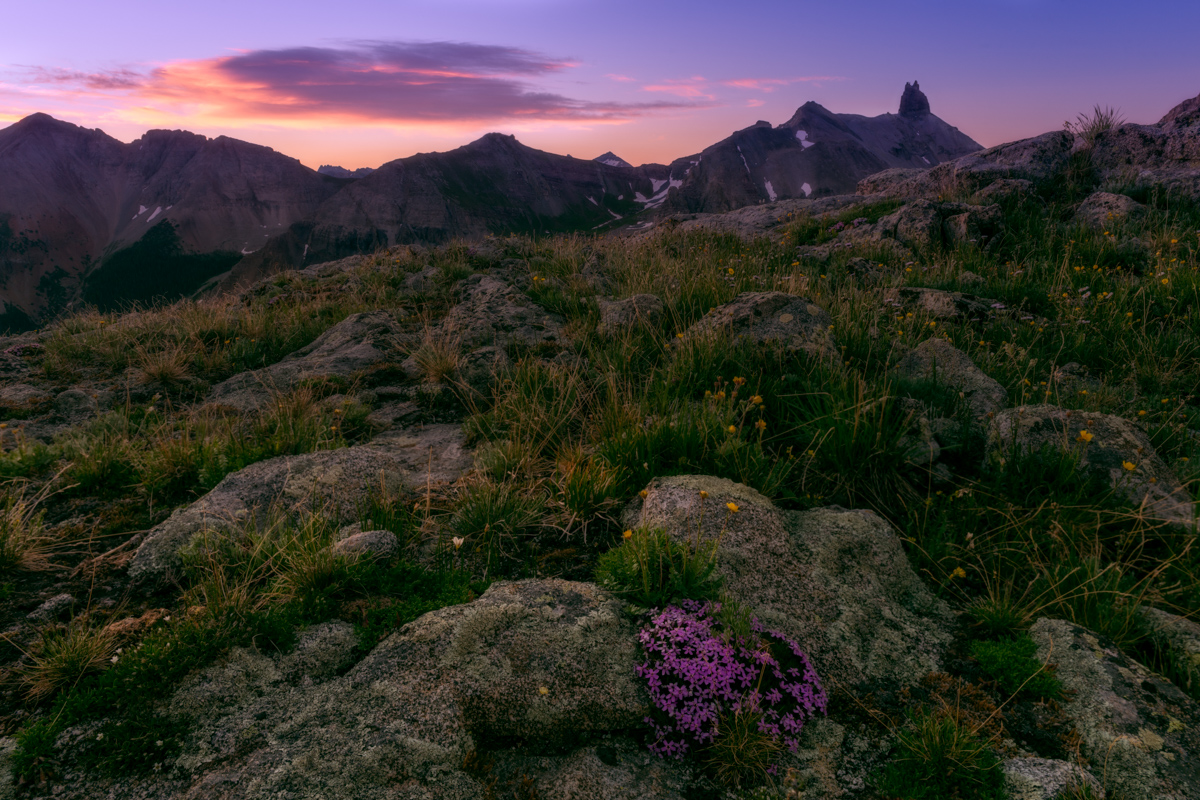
(8, 788)
(55, 607)
(1002, 190)
(356, 343)
(940, 304)
(338, 480)
(492, 312)
(1102, 210)
(617, 316)
(1140, 733)
(1111, 449)
(1046, 779)
(353, 541)
(524, 672)
(321, 652)
(836, 581)
(1179, 639)
(938, 360)
(770, 317)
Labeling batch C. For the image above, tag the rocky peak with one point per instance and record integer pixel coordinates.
(1182, 114)
(913, 103)
(612, 160)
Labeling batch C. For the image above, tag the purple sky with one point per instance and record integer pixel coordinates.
(360, 82)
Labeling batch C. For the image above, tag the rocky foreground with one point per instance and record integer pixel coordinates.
(531, 689)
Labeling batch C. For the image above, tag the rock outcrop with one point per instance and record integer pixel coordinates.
(864, 619)
(941, 362)
(1140, 733)
(913, 103)
(337, 481)
(353, 345)
(1111, 450)
(776, 318)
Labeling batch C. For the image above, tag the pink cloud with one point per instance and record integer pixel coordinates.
(755, 102)
(621, 78)
(382, 81)
(771, 84)
(685, 87)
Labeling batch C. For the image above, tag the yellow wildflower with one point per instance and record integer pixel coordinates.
(643, 494)
(761, 425)
(1129, 465)
(732, 429)
(959, 572)
(1085, 436)
(733, 509)
(703, 495)
(756, 400)
(627, 535)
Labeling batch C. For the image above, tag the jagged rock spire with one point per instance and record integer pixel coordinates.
(913, 103)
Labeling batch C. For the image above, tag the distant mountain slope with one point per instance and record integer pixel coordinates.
(492, 185)
(816, 153)
(72, 198)
(612, 160)
(342, 172)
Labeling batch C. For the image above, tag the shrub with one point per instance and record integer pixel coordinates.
(650, 569)
(739, 701)
(66, 657)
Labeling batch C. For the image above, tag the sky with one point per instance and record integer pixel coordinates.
(360, 82)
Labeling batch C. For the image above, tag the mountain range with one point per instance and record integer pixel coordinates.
(85, 217)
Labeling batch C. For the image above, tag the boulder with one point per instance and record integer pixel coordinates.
(75, 406)
(617, 316)
(1102, 210)
(354, 542)
(925, 225)
(356, 343)
(836, 581)
(337, 480)
(1046, 779)
(57, 606)
(966, 224)
(938, 360)
(1002, 190)
(941, 304)
(534, 680)
(1178, 639)
(1140, 733)
(770, 317)
(1112, 445)
(492, 312)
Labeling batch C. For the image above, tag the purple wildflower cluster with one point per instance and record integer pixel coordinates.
(23, 349)
(841, 226)
(694, 674)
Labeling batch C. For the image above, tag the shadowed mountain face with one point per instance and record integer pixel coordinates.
(74, 199)
(493, 185)
(816, 153)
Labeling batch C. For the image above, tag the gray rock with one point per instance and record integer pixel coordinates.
(1178, 638)
(53, 608)
(424, 281)
(1140, 733)
(617, 316)
(530, 666)
(339, 479)
(353, 541)
(927, 226)
(8, 784)
(964, 224)
(494, 313)
(861, 618)
(770, 317)
(22, 395)
(938, 360)
(477, 370)
(1002, 190)
(354, 344)
(75, 405)
(940, 304)
(971, 279)
(390, 415)
(1151, 485)
(1045, 779)
(1102, 210)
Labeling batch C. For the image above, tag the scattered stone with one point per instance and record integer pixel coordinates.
(356, 343)
(1114, 450)
(1141, 733)
(937, 360)
(494, 313)
(836, 581)
(53, 608)
(771, 317)
(75, 405)
(617, 316)
(1045, 779)
(335, 479)
(942, 305)
(1102, 210)
(353, 541)
(424, 281)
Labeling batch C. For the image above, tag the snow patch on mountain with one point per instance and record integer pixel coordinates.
(803, 137)
(804, 187)
(770, 191)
